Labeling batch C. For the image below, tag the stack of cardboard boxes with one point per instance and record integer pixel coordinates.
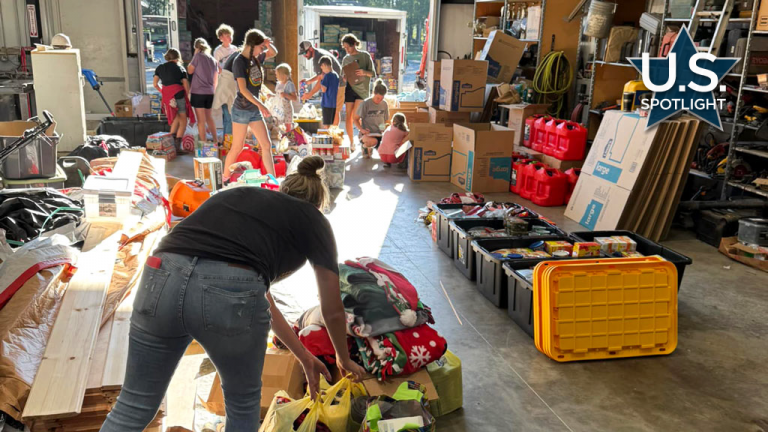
(161, 145)
(474, 157)
(633, 177)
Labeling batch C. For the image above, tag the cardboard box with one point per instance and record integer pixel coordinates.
(160, 141)
(533, 23)
(462, 85)
(503, 53)
(136, 106)
(558, 164)
(433, 84)
(429, 158)
(597, 204)
(411, 105)
(619, 149)
(208, 170)
(490, 21)
(412, 115)
(282, 371)
(482, 157)
(438, 116)
(762, 17)
(518, 113)
(374, 387)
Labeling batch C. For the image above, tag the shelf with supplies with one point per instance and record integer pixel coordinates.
(500, 14)
(740, 125)
(753, 152)
(600, 62)
(755, 89)
(748, 188)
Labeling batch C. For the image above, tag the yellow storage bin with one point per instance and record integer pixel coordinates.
(445, 374)
(609, 308)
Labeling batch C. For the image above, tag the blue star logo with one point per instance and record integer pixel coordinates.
(680, 97)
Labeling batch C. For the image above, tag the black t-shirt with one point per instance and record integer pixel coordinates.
(270, 231)
(171, 73)
(254, 76)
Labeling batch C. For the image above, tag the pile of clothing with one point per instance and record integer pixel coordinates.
(387, 325)
(26, 214)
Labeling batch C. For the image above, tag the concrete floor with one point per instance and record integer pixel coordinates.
(716, 380)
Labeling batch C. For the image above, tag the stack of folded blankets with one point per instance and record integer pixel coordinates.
(387, 324)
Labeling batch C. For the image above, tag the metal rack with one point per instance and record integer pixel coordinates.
(504, 23)
(735, 146)
(589, 109)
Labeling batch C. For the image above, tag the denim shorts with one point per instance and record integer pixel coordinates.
(242, 116)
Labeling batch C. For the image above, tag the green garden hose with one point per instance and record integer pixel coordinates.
(552, 82)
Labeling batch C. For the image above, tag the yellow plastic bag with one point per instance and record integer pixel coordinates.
(336, 416)
(332, 408)
(280, 417)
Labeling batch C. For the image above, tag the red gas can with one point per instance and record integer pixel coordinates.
(551, 142)
(539, 133)
(573, 177)
(528, 189)
(516, 181)
(529, 133)
(571, 139)
(550, 187)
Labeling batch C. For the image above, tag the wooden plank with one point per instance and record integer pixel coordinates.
(117, 355)
(60, 382)
(99, 357)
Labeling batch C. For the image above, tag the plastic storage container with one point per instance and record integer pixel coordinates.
(573, 177)
(570, 142)
(551, 185)
(444, 214)
(491, 281)
(529, 179)
(36, 159)
(530, 129)
(107, 197)
(464, 256)
(58, 181)
(516, 179)
(754, 231)
(520, 294)
(135, 130)
(644, 246)
(551, 142)
(539, 133)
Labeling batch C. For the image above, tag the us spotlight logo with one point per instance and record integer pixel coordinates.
(683, 81)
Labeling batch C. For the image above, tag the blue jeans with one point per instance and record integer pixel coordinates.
(242, 116)
(226, 120)
(222, 306)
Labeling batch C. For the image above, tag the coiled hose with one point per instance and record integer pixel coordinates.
(553, 80)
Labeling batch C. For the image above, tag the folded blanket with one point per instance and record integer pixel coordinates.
(356, 326)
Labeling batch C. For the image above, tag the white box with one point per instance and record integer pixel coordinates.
(107, 197)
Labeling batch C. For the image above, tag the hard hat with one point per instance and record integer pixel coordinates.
(61, 41)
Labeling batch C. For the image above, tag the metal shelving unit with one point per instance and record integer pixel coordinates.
(737, 128)
(589, 109)
(735, 146)
(504, 23)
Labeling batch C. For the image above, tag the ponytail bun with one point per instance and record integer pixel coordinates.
(310, 166)
(307, 182)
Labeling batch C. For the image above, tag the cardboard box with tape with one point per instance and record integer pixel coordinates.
(503, 53)
(462, 85)
(429, 158)
(482, 157)
(439, 116)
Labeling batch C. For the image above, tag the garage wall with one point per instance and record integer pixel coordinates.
(97, 29)
(454, 35)
(13, 28)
